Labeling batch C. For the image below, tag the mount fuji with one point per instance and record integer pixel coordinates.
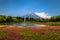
(31, 15)
(36, 15)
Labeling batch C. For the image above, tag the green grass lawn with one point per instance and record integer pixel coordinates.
(29, 33)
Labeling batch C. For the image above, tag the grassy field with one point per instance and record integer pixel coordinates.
(50, 23)
(30, 33)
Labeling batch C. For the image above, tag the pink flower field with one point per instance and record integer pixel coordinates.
(30, 33)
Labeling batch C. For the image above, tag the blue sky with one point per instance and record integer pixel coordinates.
(22, 7)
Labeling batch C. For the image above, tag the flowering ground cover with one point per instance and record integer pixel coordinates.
(30, 33)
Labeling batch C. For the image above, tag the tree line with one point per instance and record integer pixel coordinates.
(52, 19)
(55, 18)
(10, 19)
(20, 19)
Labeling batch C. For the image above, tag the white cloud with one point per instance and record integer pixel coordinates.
(43, 15)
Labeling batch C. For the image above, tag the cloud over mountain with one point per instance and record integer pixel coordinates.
(43, 15)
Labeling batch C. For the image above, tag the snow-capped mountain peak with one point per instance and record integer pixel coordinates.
(37, 15)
